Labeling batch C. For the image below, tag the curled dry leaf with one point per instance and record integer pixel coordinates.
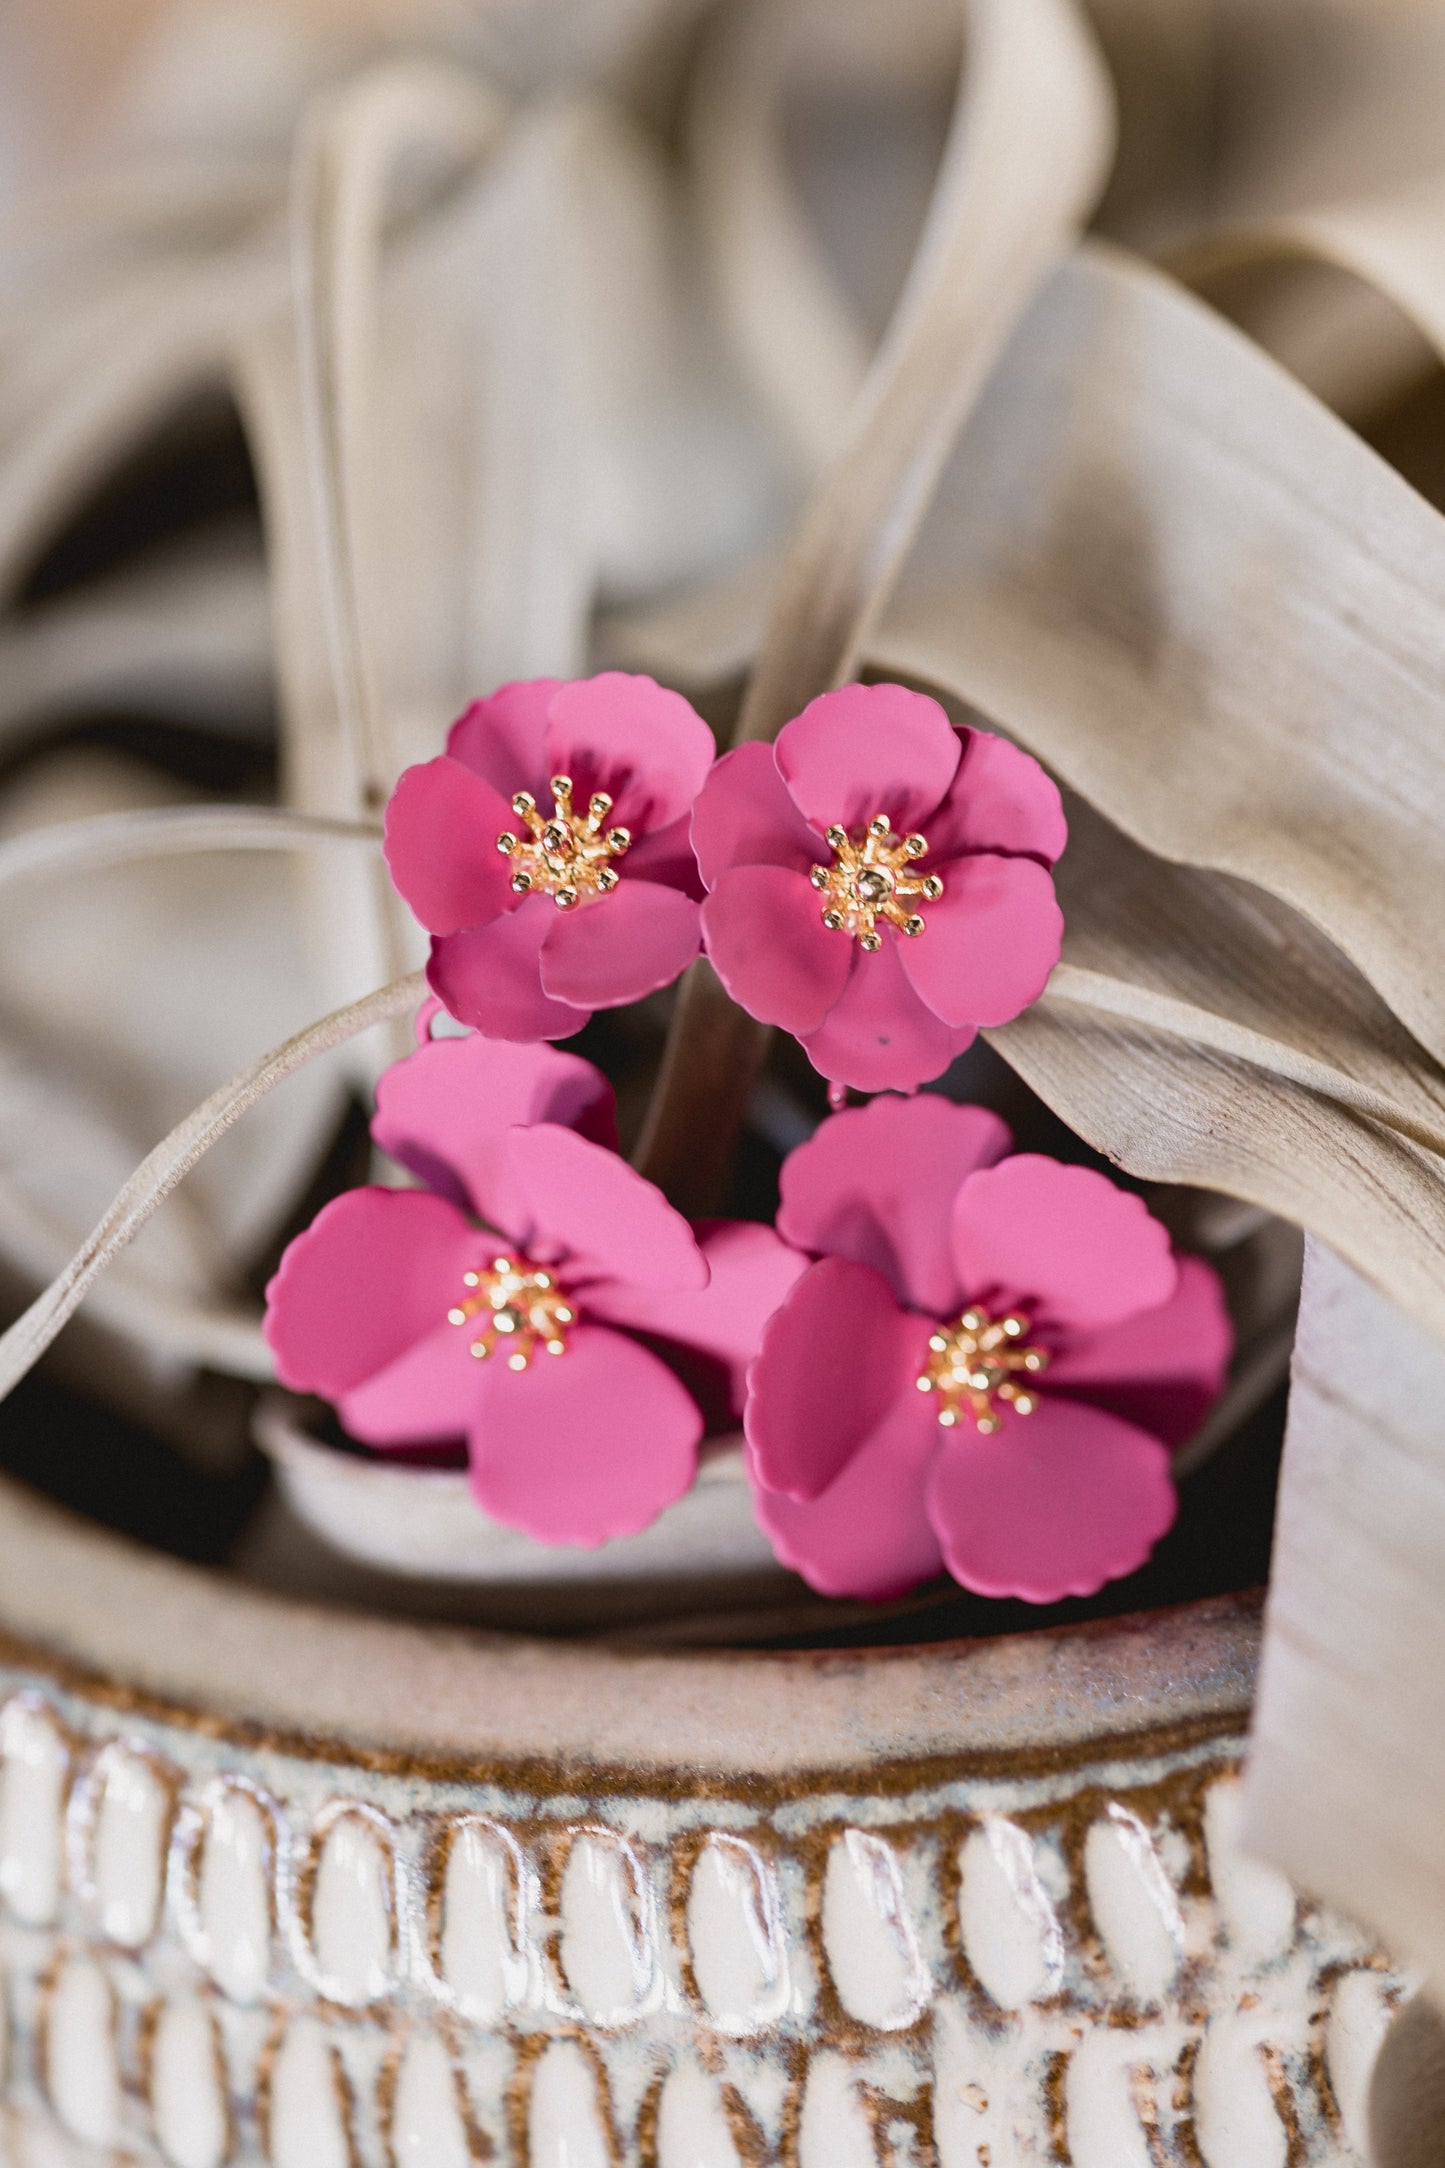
(1210, 608)
(1025, 157)
(24, 1342)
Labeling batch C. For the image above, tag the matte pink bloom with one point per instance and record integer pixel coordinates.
(997, 1281)
(503, 1304)
(545, 906)
(881, 956)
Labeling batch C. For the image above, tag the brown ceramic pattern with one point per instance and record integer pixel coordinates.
(980, 1965)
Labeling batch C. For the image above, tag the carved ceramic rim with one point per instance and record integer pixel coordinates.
(144, 1630)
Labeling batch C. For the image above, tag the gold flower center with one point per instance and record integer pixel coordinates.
(977, 1363)
(569, 856)
(513, 1305)
(871, 878)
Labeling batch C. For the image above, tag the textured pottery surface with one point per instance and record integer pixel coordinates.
(288, 1886)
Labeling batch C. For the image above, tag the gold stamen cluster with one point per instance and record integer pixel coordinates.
(569, 856)
(514, 1305)
(871, 878)
(974, 1364)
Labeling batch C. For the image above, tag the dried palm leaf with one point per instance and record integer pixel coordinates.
(1344, 1784)
(1025, 156)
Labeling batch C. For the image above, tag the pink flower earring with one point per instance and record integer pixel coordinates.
(547, 854)
(879, 883)
(983, 1368)
(522, 1301)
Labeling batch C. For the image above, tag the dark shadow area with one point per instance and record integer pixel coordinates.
(193, 470)
(99, 1464)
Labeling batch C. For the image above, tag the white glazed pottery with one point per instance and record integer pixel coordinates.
(305, 1887)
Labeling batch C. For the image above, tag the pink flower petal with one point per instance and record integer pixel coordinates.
(1162, 1369)
(376, 1271)
(745, 816)
(429, 1392)
(1054, 1504)
(621, 946)
(868, 1534)
(752, 1269)
(631, 737)
(443, 1111)
(1064, 1244)
(833, 1359)
(666, 857)
(585, 1210)
(765, 937)
(504, 737)
(585, 1446)
(442, 825)
(877, 1183)
(491, 976)
(989, 942)
(879, 1035)
(868, 749)
(1000, 800)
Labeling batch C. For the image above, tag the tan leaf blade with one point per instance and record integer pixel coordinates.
(1025, 156)
(1208, 606)
(1348, 1766)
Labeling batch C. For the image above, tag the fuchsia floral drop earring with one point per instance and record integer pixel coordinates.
(879, 883)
